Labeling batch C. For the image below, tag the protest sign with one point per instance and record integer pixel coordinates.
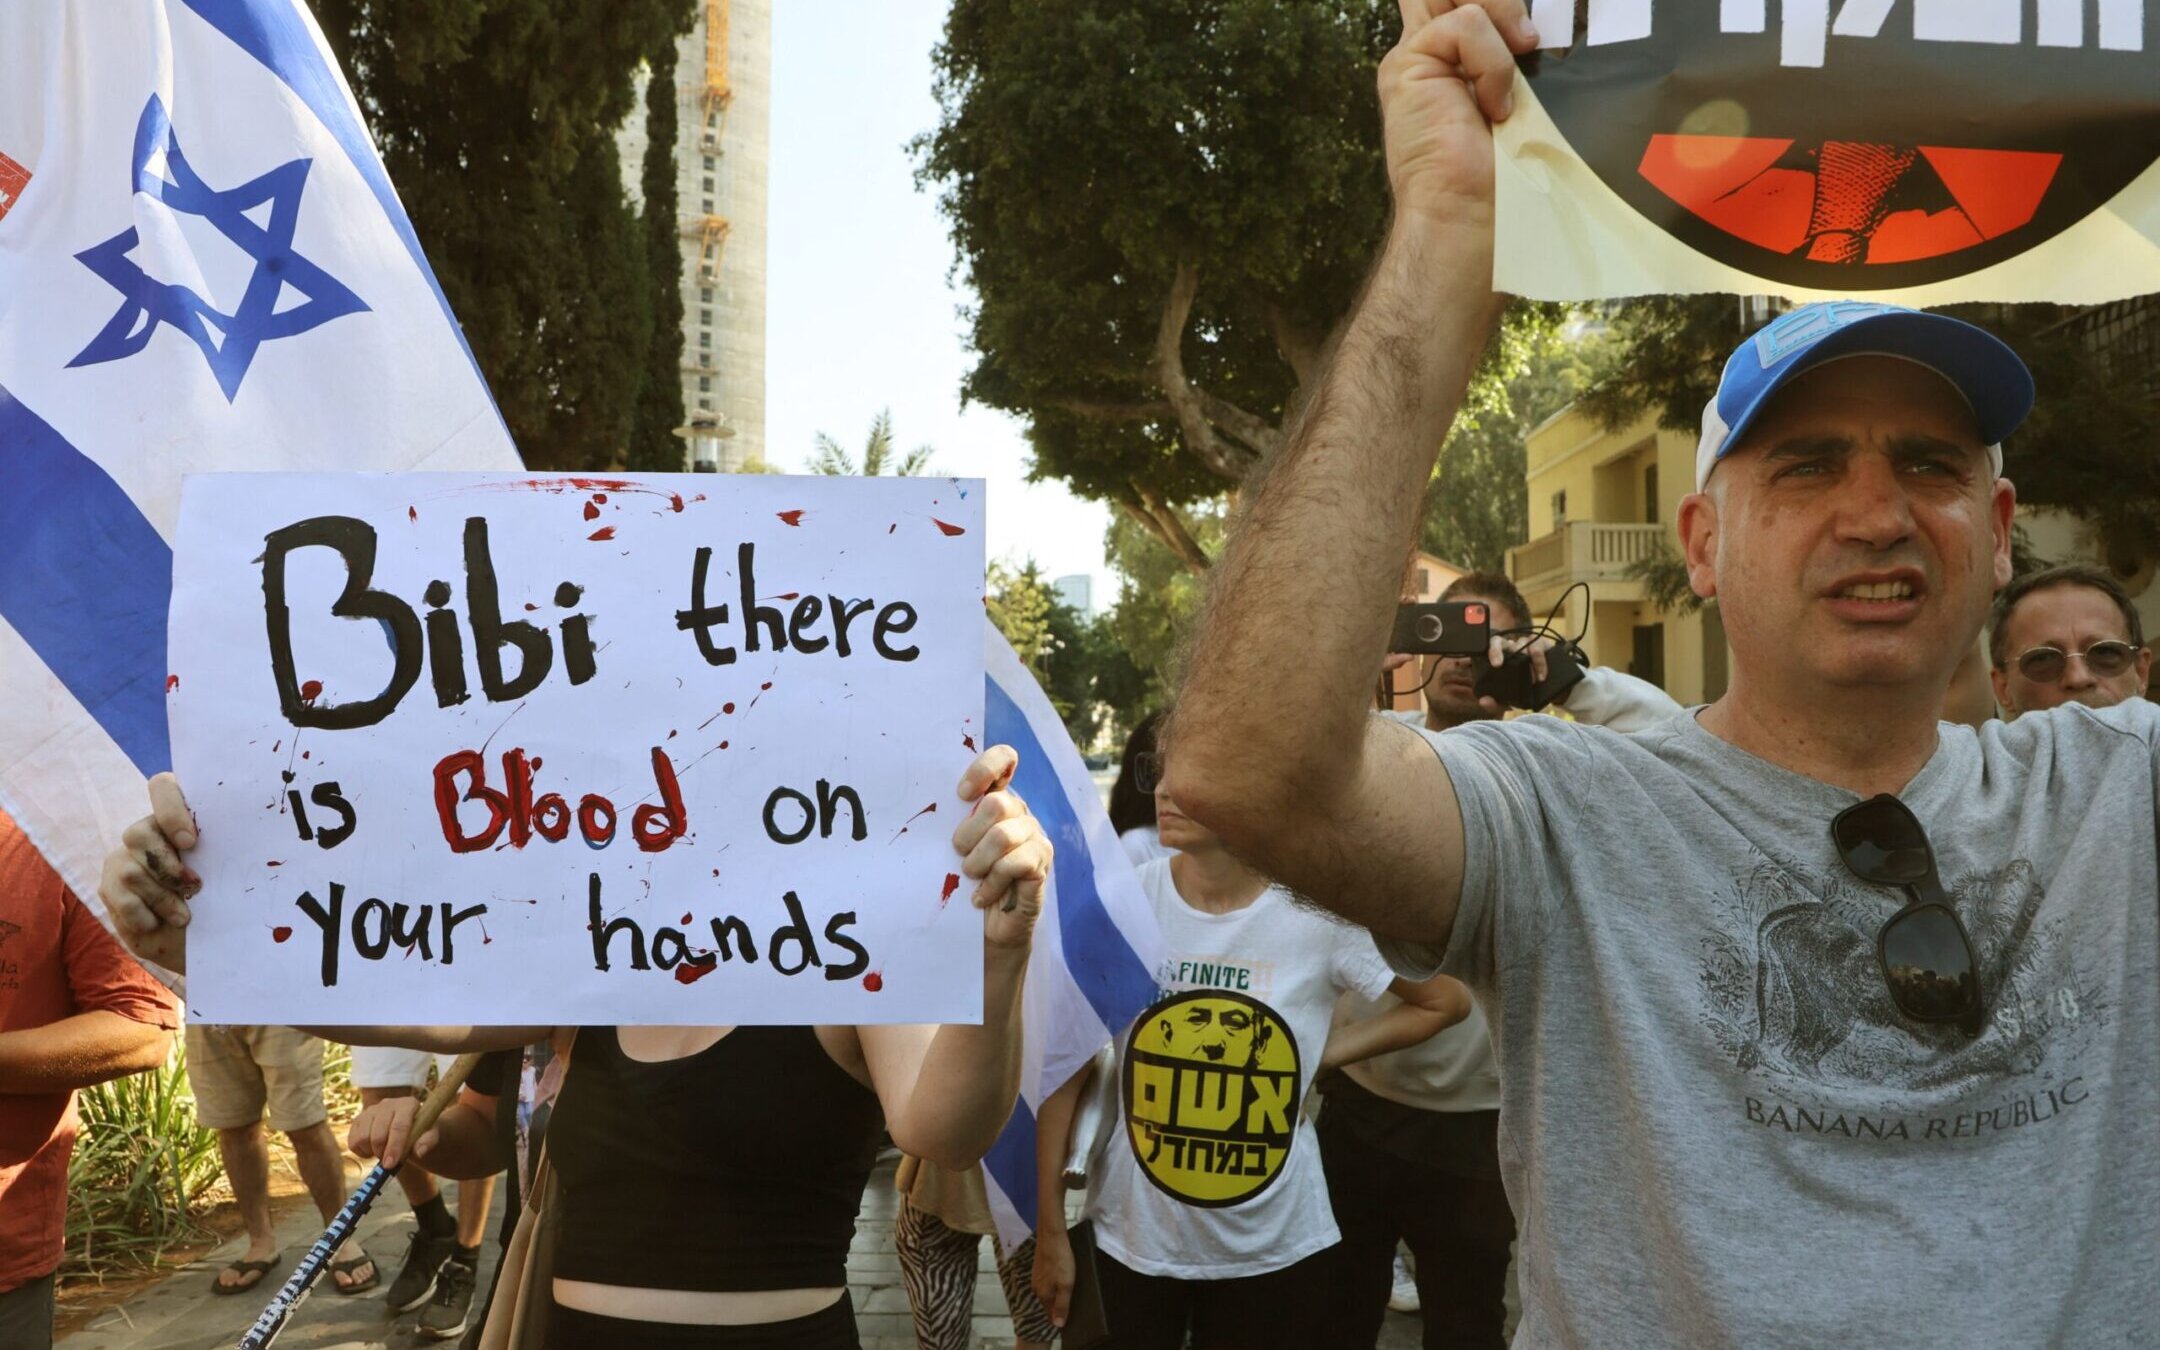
(499, 749)
(1918, 151)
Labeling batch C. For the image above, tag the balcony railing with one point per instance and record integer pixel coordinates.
(1584, 550)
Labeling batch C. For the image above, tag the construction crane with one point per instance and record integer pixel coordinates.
(711, 230)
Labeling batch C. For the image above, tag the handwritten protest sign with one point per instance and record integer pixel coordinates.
(492, 749)
(1921, 151)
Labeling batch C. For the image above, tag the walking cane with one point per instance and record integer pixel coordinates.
(295, 1290)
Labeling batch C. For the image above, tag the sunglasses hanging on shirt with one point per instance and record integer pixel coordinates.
(1925, 954)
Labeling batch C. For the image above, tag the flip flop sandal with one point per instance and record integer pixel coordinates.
(258, 1269)
(347, 1267)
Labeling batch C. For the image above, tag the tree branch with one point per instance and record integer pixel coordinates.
(1225, 459)
(1298, 346)
(1151, 513)
(1262, 436)
(1098, 410)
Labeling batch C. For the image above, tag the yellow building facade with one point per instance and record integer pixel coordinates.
(1601, 501)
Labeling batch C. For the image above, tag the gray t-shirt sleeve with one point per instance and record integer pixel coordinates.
(1506, 777)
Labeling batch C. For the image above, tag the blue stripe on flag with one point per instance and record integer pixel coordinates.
(1102, 963)
(1010, 1163)
(86, 580)
(271, 31)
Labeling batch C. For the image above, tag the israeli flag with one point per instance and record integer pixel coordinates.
(1097, 943)
(203, 267)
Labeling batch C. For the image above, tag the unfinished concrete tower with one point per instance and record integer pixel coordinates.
(723, 105)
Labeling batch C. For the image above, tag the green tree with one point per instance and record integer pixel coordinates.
(2087, 447)
(653, 445)
(1090, 679)
(496, 121)
(1158, 595)
(1019, 604)
(1479, 503)
(828, 456)
(1165, 208)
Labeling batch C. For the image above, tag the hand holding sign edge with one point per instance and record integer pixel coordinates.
(1445, 82)
(145, 886)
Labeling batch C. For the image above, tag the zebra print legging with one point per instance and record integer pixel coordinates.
(938, 1265)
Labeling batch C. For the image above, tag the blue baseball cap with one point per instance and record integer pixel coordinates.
(1981, 366)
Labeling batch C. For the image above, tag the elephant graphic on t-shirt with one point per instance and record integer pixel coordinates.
(1793, 988)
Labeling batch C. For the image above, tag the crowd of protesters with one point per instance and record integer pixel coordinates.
(1818, 1015)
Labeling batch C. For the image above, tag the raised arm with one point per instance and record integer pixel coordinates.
(948, 1091)
(1270, 747)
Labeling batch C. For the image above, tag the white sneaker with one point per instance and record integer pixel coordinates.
(1404, 1298)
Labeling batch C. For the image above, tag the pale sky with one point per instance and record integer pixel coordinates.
(859, 312)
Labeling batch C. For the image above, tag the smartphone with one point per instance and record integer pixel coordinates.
(1446, 628)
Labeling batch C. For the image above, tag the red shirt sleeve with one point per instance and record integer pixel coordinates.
(103, 977)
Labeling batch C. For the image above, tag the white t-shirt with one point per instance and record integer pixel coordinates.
(1143, 844)
(1214, 1173)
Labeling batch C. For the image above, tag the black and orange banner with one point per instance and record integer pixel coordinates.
(1927, 151)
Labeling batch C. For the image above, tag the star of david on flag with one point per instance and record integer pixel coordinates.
(277, 266)
(190, 191)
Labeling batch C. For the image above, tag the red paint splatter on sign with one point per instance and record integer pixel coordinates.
(675, 501)
(727, 707)
(412, 513)
(592, 511)
(791, 518)
(274, 862)
(950, 530)
(310, 691)
(604, 532)
(873, 982)
(690, 972)
(280, 933)
(952, 883)
(786, 595)
(766, 685)
(172, 682)
(967, 740)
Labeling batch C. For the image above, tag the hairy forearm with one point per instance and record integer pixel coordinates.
(76, 1052)
(1274, 703)
(1053, 1140)
(970, 1076)
(436, 1040)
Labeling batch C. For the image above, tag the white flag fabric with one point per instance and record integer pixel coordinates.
(203, 267)
(1097, 943)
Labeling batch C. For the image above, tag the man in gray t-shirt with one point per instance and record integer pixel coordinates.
(1410, 1139)
(1722, 1123)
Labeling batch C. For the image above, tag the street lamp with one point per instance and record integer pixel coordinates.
(704, 434)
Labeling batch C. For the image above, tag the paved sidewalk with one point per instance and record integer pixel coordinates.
(182, 1314)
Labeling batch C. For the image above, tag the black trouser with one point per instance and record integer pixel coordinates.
(831, 1329)
(1459, 1228)
(1282, 1310)
(26, 1315)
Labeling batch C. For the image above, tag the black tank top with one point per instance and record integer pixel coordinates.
(740, 1167)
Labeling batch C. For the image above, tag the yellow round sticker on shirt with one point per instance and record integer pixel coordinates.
(1211, 1096)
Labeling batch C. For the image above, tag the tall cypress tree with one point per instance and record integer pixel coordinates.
(496, 118)
(653, 446)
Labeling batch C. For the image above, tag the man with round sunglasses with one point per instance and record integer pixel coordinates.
(2066, 635)
(1819, 1021)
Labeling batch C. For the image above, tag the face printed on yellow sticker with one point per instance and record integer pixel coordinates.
(1210, 1087)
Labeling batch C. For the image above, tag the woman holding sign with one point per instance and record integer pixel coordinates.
(708, 1177)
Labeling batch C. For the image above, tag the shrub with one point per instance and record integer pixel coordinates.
(140, 1172)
